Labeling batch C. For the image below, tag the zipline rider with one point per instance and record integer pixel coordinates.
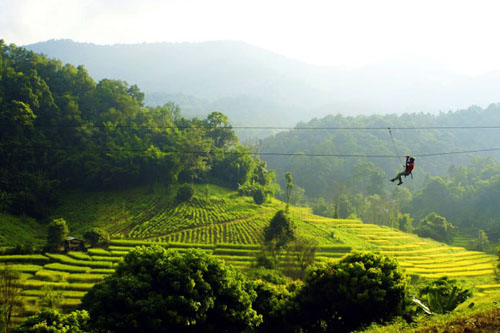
(409, 165)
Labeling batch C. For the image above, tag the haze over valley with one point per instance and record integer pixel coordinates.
(256, 87)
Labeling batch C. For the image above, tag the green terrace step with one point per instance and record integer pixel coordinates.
(458, 274)
(37, 284)
(26, 268)
(341, 222)
(25, 258)
(64, 293)
(483, 287)
(65, 259)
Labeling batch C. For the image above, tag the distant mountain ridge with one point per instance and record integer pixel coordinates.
(265, 88)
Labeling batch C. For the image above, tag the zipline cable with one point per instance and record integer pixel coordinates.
(394, 144)
(259, 153)
(262, 127)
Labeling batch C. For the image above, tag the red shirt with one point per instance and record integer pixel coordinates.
(409, 167)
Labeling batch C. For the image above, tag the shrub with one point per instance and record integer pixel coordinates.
(443, 295)
(53, 321)
(273, 301)
(184, 193)
(265, 274)
(259, 196)
(361, 288)
(247, 189)
(97, 237)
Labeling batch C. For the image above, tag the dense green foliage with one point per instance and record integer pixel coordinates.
(436, 227)
(275, 301)
(301, 255)
(278, 234)
(97, 237)
(60, 129)
(155, 290)
(466, 196)
(459, 187)
(184, 193)
(51, 321)
(361, 288)
(498, 266)
(259, 196)
(280, 230)
(58, 231)
(443, 295)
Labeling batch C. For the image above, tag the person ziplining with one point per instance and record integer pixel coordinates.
(409, 165)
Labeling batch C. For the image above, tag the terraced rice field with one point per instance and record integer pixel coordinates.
(237, 240)
(424, 257)
(240, 231)
(198, 212)
(73, 274)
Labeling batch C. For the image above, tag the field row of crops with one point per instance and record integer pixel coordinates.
(194, 213)
(71, 275)
(426, 258)
(245, 231)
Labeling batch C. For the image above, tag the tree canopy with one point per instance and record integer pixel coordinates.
(156, 290)
(61, 129)
(361, 288)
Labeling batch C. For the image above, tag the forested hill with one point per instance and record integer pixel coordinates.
(253, 86)
(318, 174)
(60, 129)
(235, 78)
(461, 187)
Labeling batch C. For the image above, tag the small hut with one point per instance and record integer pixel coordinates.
(74, 244)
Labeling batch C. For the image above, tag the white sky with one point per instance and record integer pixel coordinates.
(462, 35)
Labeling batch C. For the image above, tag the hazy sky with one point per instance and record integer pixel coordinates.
(463, 35)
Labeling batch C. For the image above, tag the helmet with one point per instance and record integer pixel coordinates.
(412, 159)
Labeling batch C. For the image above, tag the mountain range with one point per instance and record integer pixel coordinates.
(256, 87)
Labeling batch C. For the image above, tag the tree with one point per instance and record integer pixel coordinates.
(298, 196)
(361, 288)
(58, 231)
(184, 193)
(10, 295)
(51, 321)
(234, 165)
(97, 237)
(259, 195)
(344, 207)
(436, 227)
(50, 298)
(289, 186)
(220, 130)
(405, 222)
(302, 253)
(481, 243)
(158, 290)
(273, 301)
(320, 207)
(195, 145)
(277, 234)
(497, 271)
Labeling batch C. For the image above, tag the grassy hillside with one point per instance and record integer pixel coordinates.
(21, 230)
(144, 213)
(225, 225)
